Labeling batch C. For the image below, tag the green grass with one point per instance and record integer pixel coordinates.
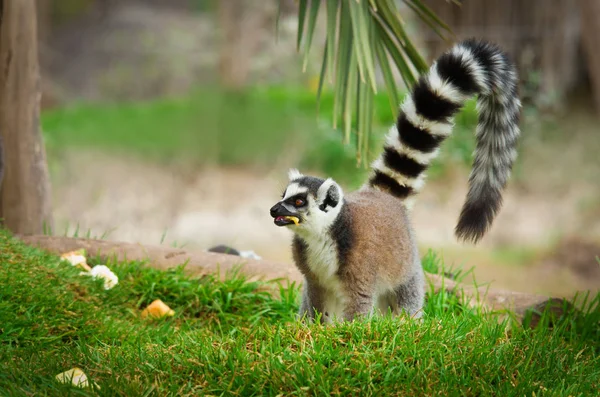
(251, 128)
(233, 338)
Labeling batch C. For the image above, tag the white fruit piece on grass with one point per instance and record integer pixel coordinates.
(103, 272)
(76, 377)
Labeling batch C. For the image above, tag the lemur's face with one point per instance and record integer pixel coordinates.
(308, 204)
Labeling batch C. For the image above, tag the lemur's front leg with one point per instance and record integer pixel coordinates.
(313, 297)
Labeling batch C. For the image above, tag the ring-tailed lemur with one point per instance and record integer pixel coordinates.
(357, 251)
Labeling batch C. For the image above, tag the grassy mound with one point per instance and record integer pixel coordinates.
(233, 338)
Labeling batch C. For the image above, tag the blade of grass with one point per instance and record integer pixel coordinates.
(368, 44)
(361, 20)
(366, 96)
(369, 105)
(343, 64)
(332, 18)
(429, 17)
(358, 32)
(411, 52)
(365, 107)
(432, 15)
(395, 52)
(322, 75)
(312, 18)
(388, 77)
(301, 19)
(427, 14)
(351, 93)
(389, 16)
(370, 108)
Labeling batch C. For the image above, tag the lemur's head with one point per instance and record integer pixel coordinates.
(308, 204)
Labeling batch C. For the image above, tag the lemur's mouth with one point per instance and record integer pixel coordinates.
(282, 216)
(287, 220)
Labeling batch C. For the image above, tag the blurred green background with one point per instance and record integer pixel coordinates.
(175, 123)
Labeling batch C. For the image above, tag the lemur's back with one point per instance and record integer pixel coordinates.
(387, 240)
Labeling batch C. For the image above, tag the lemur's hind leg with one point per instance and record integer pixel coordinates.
(410, 296)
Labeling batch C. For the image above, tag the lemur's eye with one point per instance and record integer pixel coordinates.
(299, 203)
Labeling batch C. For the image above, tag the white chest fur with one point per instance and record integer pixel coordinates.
(322, 258)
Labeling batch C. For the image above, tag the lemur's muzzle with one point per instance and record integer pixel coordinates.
(282, 216)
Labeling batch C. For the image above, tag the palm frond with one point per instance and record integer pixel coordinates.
(364, 36)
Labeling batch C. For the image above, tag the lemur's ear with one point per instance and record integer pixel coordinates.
(294, 174)
(329, 195)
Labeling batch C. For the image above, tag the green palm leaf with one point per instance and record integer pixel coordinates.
(363, 36)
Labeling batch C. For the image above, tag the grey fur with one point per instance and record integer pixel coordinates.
(312, 301)
(410, 296)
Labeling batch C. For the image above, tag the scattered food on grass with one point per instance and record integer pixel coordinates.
(76, 377)
(76, 258)
(157, 309)
(103, 272)
(234, 338)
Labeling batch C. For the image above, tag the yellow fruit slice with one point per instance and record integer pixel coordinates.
(293, 219)
(157, 309)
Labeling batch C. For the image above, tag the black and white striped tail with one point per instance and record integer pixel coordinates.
(470, 68)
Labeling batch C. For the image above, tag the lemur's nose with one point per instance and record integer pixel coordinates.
(275, 210)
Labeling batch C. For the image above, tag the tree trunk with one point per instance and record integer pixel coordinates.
(590, 31)
(25, 193)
